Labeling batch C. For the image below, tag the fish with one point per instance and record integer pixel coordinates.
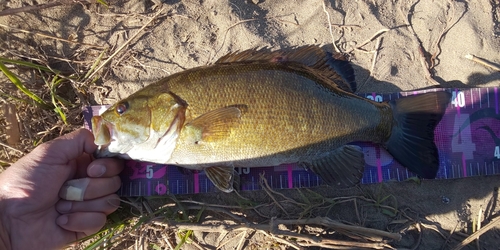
(263, 107)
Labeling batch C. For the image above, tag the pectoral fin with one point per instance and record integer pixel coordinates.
(216, 124)
(342, 167)
(221, 177)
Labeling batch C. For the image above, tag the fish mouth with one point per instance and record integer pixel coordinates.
(103, 136)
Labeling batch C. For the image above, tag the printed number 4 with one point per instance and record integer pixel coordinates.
(149, 171)
(497, 152)
(465, 144)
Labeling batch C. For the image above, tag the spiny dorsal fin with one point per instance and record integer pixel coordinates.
(332, 66)
(341, 168)
(217, 123)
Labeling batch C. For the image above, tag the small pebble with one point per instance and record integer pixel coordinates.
(445, 199)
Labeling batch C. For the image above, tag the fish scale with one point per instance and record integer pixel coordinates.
(297, 99)
(148, 179)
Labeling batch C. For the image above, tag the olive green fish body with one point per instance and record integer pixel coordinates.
(266, 108)
(290, 115)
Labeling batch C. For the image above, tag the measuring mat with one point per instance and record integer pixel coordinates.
(467, 139)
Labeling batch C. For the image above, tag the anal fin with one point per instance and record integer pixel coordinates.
(341, 168)
(222, 177)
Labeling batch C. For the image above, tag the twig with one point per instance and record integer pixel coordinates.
(39, 7)
(240, 22)
(337, 244)
(482, 62)
(12, 148)
(446, 29)
(421, 49)
(286, 242)
(375, 36)
(219, 210)
(479, 225)
(374, 60)
(170, 246)
(272, 227)
(478, 233)
(449, 237)
(327, 222)
(330, 27)
(419, 240)
(268, 190)
(242, 240)
(51, 37)
(123, 46)
(222, 235)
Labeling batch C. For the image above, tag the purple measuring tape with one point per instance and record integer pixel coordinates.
(466, 138)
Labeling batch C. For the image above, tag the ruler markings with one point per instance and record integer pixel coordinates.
(496, 100)
(471, 99)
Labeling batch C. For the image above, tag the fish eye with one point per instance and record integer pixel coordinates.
(121, 108)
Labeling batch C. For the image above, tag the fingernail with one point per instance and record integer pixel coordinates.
(97, 170)
(114, 202)
(64, 206)
(62, 220)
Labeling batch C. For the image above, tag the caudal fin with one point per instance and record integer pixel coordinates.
(412, 139)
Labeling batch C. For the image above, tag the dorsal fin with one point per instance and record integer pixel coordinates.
(332, 66)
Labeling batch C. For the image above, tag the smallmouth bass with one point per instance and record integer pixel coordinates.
(265, 108)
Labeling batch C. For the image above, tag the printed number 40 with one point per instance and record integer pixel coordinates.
(458, 99)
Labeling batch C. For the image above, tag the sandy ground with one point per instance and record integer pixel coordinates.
(421, 43)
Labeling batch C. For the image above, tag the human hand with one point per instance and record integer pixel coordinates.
(56, 194)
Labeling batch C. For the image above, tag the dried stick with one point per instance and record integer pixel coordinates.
(12, 148)
(283, 241)
(123, 45)
(482, 62)
(51, 37)
(39, 7)
(421, 49)
(478, 233)
(376, 35)
(272, 227)
(330, 27)
(242, 240)
(374, 60)
(327, 222)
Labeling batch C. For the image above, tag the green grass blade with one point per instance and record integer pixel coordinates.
(52, 86)
(184, 239)
(28, 64)
(14, 98)
(13, 78)
(94, 66)
(103, 3)
(59, 111)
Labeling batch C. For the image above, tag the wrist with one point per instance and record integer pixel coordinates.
(4, 228)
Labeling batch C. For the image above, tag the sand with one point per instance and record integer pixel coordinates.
(420, 44)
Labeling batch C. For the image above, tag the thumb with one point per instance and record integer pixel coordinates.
(68, 147)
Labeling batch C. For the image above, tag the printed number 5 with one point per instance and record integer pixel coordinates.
(149, 171)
